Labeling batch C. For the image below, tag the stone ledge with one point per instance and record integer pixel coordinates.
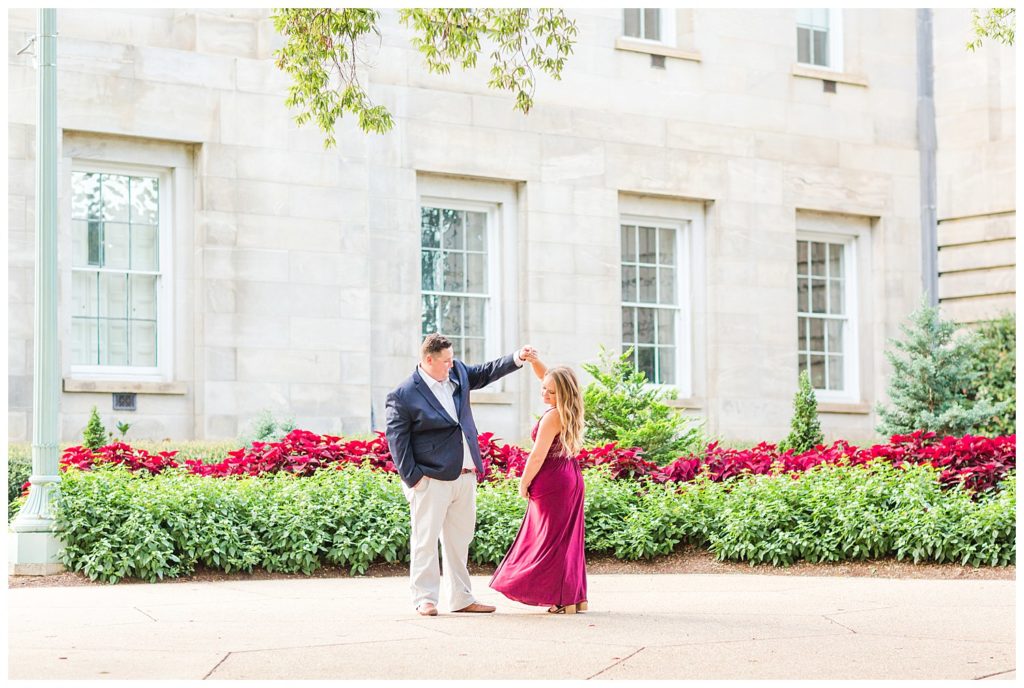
(655, 49)
(690, 403)
(124, 386)
(828, 75)
(844, 407)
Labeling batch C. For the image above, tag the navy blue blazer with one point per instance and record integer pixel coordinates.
(423, 438)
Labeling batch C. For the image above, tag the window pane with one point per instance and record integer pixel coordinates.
(667, 247)
(428, 315)
(835, 260)
(818, 372)
(647, 246)
(113, 296)
(452, 234)
(667, 285)
(80, 244)
(144, 200)
(835, 372)
(645, 325)
(115, 245)
(817, 259)
(802, 292)
(114, 189)
(802, 333)
(476, 231)
(430, 227)
(429, 261)
(451, 316)
(457, 347)
(652, 24)
(476, 278)
(645, 361)
(84, 301)
(666, 326)
(143, 297)
(84, 341)
(475, 322)
(648, 287)
(85, 195)
(628, 283)
(114, 342)
(628, 323)
(631, 21)
(473, 350)
(818, 295)
(628, 243)
(143, 342)
(820, 48)
(667, 365)
(144, 247)
(835, 336)
(817, 335)
(803, 45)
(454, 271)
(835, 295)
(632, 356)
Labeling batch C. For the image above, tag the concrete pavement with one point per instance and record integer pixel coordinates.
(732, 626)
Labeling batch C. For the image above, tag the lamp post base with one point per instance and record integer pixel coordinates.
(33, 554)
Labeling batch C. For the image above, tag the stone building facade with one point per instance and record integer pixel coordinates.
(734, 191)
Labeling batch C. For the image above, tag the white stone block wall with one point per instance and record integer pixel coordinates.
(302, 287)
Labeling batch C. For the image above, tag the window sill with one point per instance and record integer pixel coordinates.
(655, 49)
(809, 72)
(859, 408)
(506, 398)
(124, 386)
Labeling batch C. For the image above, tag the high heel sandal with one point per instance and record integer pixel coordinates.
(568, 608)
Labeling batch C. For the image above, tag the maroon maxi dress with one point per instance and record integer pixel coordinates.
(546, 563)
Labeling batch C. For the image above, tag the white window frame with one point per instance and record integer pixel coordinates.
(667, 26)
(684, 314)
(165, 289)
(851, 337)
(835, 43)
(492, 304)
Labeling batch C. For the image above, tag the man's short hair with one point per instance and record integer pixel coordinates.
(434, 344)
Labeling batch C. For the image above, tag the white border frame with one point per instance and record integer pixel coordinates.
(163, 371)
(835, 43)
(667, 22)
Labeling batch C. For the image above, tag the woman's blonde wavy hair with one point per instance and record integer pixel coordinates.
(569, 404)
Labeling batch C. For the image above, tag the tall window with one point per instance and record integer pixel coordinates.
(454, 271)
(824, 287)
(650, 299)
(649, 24)
(116, 277)
(813, 27)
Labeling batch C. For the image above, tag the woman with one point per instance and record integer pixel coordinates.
(546, 565)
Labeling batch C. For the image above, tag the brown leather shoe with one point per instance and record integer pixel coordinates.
(476, 608)
(427, 609)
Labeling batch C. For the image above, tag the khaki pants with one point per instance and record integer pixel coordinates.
(444, 509)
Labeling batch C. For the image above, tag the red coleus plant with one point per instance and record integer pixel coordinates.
(978, 463)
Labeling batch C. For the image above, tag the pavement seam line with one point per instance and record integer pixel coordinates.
(998, 673)
(145, 614)
(615, 664)
(216, 666)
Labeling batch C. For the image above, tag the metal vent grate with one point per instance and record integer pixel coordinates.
(124, 401)
(830, 86)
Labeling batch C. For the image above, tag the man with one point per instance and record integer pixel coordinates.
(433, 441)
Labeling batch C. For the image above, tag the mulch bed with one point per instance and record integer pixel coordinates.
(687, 560)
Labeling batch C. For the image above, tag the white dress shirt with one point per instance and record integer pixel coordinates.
(445, 393)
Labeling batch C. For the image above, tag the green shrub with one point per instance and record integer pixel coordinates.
(95, 435)
(993, 365)
(266, 428)
(620, 406)
(931, 373)
(116, 524)
(805, 428)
